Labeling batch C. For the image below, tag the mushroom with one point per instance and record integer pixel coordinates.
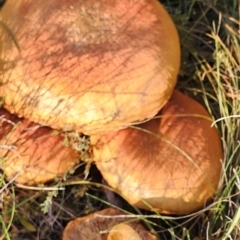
(123, 231)
(33, 154)
(106, 225)
(171, 164)
(91, 66)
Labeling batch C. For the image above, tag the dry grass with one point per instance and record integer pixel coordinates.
(210, 73)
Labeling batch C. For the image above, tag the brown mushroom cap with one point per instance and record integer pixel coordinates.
(31, 153)
(96, 226)
(171, 164)
(91, 66)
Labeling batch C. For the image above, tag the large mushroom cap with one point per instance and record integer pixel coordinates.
(89, 65)
(171, 164)
(101, 226)
(32, 154)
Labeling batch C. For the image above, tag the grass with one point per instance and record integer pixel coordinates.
(210, 73)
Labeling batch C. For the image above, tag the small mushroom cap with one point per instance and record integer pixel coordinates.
(171, 164)
(32, 154)
(96, 226)
(89, 66)
(123, 231)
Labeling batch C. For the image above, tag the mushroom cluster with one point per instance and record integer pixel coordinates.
(107, 69)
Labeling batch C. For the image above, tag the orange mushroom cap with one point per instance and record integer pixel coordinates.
(101, 226)
(171, 164)
(123, 231)
(32, 154)
(91, 66)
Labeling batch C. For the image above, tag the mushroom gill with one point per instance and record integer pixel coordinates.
(106, 225)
